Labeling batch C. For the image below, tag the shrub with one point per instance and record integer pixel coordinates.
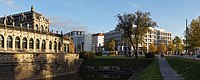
(149, 55)
(87, 55)
(99, 54)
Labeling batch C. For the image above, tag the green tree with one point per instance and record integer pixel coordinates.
(152, 48)
(134, 27)
(193, 34)
(171, 47)
(161, 48)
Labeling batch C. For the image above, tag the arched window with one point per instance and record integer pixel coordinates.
(37, 27)
(41, 28)
(65, 47)
(37, 44)
(1, 41)
(46, 29)
(50, 45)
(55, 46)
(17, 42)
(24, 43)
(59, 46)
(9, 42)
(43, 45)
(31, 43)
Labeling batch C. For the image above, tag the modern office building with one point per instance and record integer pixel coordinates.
(29, 32)
(97, 42)
(153, 35)
(78, 38)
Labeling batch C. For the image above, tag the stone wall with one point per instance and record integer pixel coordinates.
(35, 65)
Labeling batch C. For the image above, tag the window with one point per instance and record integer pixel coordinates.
(9, 42)
(55, 46)
(17, 42)
(41, 29)
(37, 44)
(24, 43)
(1, 41)
(43, 45)
(31, 43)
(36, 27)
(50, 45)
(59, 46)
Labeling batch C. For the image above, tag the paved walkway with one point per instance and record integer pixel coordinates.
(166, 71)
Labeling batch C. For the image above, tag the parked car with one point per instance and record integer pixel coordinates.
(198, 56)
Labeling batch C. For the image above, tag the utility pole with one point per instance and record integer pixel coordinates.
(186, 38)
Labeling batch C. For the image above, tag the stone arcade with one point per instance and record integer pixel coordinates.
(29, 32)
(29, 50)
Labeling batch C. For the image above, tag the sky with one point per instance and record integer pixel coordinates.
(95, 16)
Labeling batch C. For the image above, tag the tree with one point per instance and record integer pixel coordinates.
(110, 45)
(71, 46)
(134, 27)
(171, 47)
(193, 34)
(144, 49)
(152, 48)
(161, 48)
(179, 46)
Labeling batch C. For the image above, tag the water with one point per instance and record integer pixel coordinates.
(93, 76)
(28, 71)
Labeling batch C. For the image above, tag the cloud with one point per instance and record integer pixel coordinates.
(9, 3)
(133, 4)
(65, 25)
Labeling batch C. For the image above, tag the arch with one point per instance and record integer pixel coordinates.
(43, 45)
(17, 42)
(41, 28)
(50, 45)
(55, 46)
(46, 29)
(31, 43)
(24, 43)
(9, 42)
(37, 44)
(1, 41)
(36, 27)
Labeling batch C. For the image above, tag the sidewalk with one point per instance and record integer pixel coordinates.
(166, 71)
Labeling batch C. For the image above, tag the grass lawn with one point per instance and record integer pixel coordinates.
(187, 68)
(151, 72)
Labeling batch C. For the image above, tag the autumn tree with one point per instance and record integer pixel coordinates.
(152, 48)
(161, 47)
(110, 45)
(144, 49)
(171, 47)
(134, 26)
(71, 46)
(179, 46)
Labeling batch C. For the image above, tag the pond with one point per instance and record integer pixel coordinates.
(28, 71)
(93, 76)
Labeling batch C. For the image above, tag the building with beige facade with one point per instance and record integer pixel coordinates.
(29, 32)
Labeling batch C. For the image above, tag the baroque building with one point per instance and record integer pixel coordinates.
(29, 32)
